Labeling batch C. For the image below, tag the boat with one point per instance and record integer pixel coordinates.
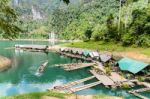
(42, 67)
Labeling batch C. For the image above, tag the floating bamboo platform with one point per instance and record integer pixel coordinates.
(138, 95)
(140, 90)
(85, 86)
(75, 66)
(69, 87)
(103, 79)
(36, 47)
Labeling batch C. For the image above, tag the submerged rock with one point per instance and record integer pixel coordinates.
(5, 63)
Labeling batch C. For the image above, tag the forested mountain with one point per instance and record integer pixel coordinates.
(126, 22)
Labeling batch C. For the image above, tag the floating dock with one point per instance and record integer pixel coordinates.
(138, 95)
(137, 91)
(75, 66)
(105, 80)
(35, 47)
(85, 86)
(69, 87)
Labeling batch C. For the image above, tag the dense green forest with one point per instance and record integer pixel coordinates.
(126, 22)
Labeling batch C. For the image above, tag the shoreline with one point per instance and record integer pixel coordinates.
(56, 40)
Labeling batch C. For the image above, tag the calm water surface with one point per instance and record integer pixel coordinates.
(22, 78)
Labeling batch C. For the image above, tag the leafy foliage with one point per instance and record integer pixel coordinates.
(8, 17)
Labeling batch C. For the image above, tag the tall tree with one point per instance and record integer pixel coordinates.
(8, 17)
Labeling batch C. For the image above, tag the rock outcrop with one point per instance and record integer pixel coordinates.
(5, 63)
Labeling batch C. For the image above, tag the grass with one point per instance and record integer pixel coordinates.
(108, 46)
(38, 95)
(51, 95)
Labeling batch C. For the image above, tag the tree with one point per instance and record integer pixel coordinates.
(8, 17)
(67, 1)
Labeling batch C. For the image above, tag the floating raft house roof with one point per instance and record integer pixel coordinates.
(86, 53)
(105, 57)
(131, 65)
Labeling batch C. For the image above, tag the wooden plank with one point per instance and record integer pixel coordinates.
(78, 66)
(85, 86)
(117, 78)
(77, 82)
(103, 78)
(140, 90)
(140, 96)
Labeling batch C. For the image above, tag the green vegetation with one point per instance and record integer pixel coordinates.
(101, 18)
(51, 95)
(108, 46)
(38, 95)
(8, 18)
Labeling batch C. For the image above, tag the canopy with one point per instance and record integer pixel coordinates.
(131, 65)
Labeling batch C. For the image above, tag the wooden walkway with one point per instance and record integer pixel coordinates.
(138, 95)
(103, 79)
(140, 90)
(68, 85)
(37, 47)
(137, 91)
(85, 86)
(75, 66)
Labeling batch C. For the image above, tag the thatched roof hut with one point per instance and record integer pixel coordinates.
(5, 63)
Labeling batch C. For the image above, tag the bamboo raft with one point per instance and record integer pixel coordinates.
(85, 86)
(140, 90)
(75, 66)
(35, 47)
(138, 95)
(69, 87)
(42, 67)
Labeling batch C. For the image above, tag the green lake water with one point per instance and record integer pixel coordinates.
(22, 78)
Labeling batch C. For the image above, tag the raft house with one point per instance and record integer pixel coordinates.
(115, 79)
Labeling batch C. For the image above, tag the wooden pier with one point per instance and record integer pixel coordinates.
(75, 66)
